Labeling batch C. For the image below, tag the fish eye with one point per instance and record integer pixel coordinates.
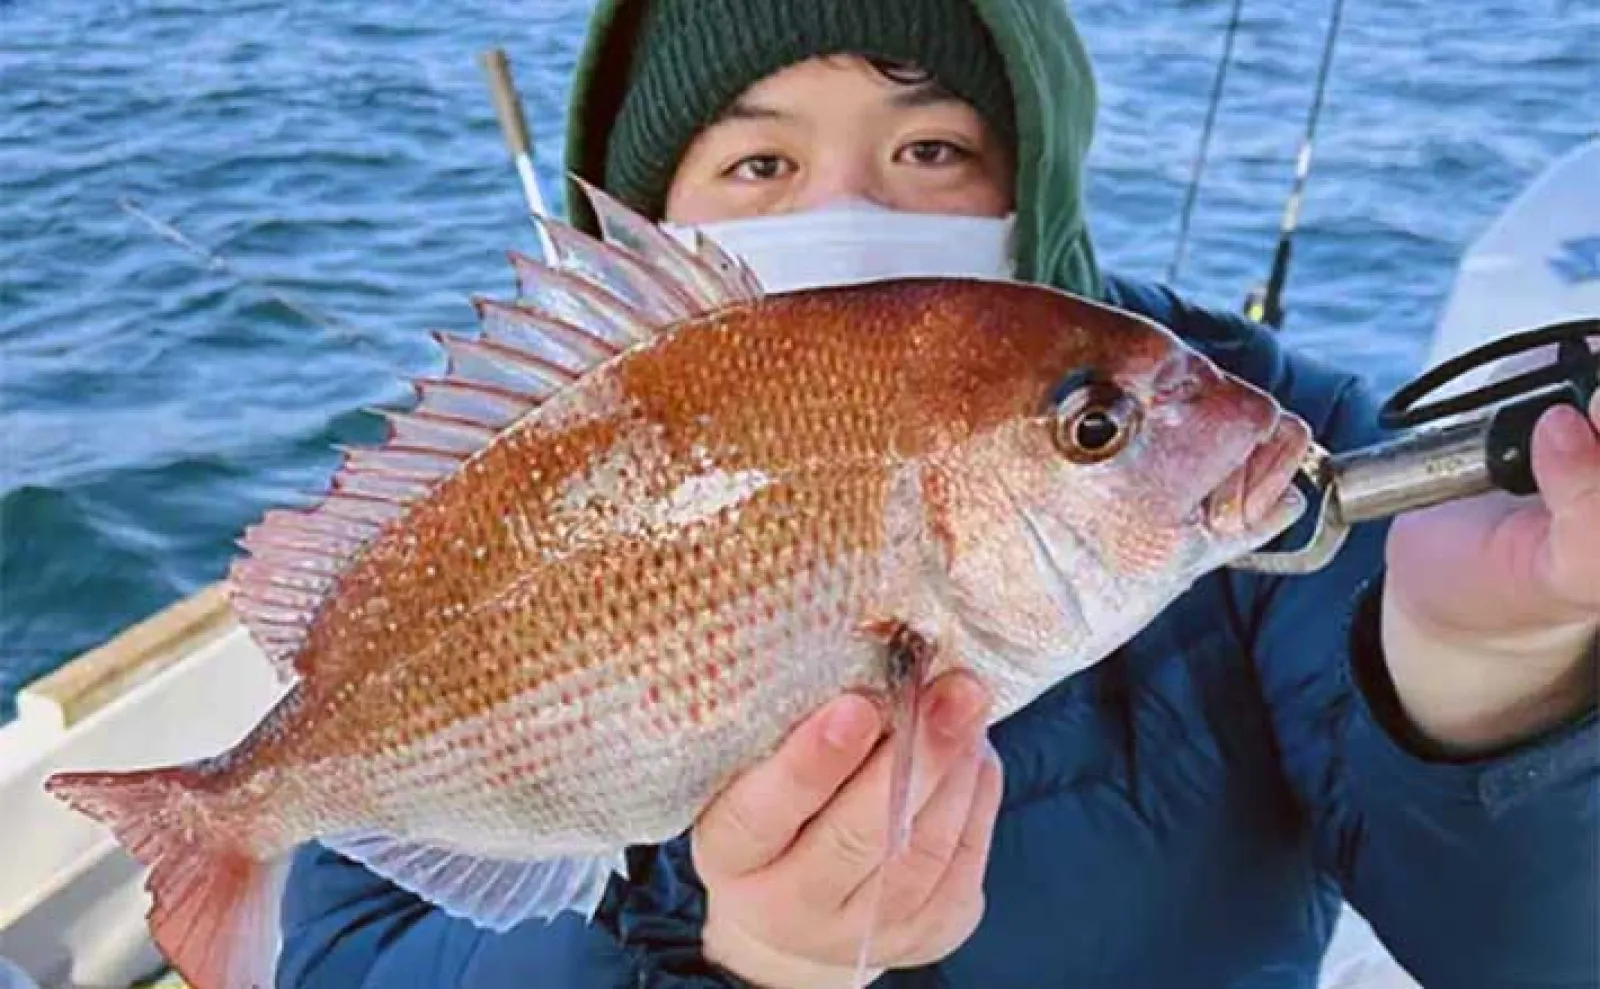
(1094, 422)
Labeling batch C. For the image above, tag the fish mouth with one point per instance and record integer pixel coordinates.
(1259, 498)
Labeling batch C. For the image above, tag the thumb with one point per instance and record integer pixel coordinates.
(757, 817)
(1566, 462)
(1566, 458)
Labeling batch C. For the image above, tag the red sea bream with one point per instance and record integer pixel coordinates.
(649, 519)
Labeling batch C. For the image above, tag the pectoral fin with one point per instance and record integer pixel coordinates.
(908, 658)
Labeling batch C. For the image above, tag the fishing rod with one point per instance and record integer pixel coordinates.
(1265, 302)
(514, 128)
(1180, 251)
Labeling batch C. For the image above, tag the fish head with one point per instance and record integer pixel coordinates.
(1107, 467)
(1158, 459)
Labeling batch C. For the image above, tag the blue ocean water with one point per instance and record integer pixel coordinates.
(151, 408)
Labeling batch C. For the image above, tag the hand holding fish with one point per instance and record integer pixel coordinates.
(788, 854)
(1492, 604)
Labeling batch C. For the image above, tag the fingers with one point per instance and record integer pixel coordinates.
(796, 918)
(1566, 462)
(935, 835)
(757, 817)
(834, 854)
(955, 905)
(972, 852)
(1566, 453)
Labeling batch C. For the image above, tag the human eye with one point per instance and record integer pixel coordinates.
(759, 168)
(932, 153)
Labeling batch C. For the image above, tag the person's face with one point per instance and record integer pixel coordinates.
(832, 129)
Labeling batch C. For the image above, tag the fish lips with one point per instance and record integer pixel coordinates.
(1259, 499)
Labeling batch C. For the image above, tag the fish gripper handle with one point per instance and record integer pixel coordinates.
(1571, 379)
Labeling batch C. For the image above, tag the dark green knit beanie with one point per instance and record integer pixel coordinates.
(692, 58)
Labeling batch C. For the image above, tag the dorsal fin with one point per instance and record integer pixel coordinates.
(716, 277)
(566, 297)
(531, 330)
(592, 301)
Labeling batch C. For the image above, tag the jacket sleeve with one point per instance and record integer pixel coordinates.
(346, 928)
(1477, 872)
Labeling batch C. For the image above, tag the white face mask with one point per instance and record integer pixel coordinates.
(858, 242)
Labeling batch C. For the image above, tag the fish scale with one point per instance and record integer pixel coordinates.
(537, 621)
(646, 522)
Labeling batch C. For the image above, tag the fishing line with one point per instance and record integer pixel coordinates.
(215, 261)
(1179, 252)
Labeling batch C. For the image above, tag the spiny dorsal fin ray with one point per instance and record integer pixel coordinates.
(487, 405)
(556, 341)
(570, 299)
(296, 540)
(489, 361)
(378, 485)
(441, 432)
(417, 462)
(312, 521)
(591, 302)
(248, 574)
(313, 562)
(710, 282)
(621, 273)
(348, 505)
(274, 596)
(739, 276)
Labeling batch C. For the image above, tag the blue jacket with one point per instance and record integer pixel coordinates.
(1186, 813)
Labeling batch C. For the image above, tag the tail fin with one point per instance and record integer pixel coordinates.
(215, 911)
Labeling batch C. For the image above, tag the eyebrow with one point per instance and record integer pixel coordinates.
(925, 95)
(745, 110)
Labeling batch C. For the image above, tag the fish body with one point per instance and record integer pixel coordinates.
(649, 520)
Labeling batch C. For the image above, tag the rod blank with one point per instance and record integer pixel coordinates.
(513, 125)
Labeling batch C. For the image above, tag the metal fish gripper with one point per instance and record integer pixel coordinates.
(1470, 455)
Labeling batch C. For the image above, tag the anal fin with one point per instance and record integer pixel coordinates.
(497, 894)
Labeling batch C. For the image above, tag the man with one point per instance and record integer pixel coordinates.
(1413, 728)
